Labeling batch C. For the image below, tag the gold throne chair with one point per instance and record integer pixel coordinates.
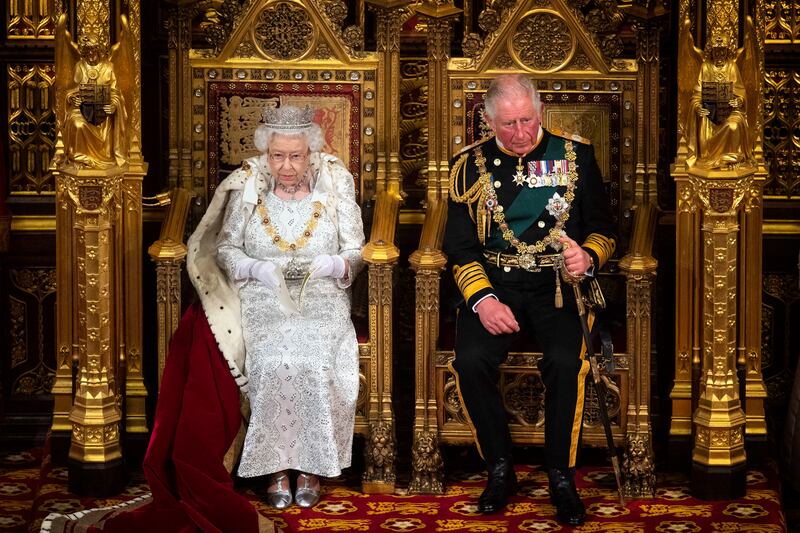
(600, 100)
(316, 62)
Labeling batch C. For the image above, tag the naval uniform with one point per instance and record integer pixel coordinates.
(505, 216)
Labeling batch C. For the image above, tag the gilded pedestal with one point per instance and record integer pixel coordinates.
(95, 457)
(718, 457)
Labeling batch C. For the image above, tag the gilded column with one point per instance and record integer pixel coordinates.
(440, 17)
(718, 469)
(427, 475)
(381, 254)
(686, 294)
(95, 457)
(130, 263)
(389, 13)
(639, 267)
(99, 170)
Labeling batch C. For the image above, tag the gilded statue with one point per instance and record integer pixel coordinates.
(718, 99)
(92, 112)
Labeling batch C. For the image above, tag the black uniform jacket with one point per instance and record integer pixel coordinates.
(471, 230)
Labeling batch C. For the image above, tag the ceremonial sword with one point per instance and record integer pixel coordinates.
(597, 380)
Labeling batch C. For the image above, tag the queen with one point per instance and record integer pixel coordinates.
(272, 260)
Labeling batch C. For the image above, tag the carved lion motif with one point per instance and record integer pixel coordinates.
(427, 464)
(379, 453)
(638, 469)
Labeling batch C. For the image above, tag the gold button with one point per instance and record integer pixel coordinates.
(497, 161)
(497, 184)
(541, 223)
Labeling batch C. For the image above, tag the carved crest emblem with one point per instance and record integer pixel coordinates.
(90, 196)
(720, 200)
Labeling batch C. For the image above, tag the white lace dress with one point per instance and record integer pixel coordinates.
(302, 367)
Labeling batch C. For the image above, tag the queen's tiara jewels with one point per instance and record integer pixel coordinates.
(288, 117)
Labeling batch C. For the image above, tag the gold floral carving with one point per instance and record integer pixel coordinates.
(30, 127)
(781, 147)
(30, 19)
(93, 23)
(284, 31)
(543, 55)
(781, 26)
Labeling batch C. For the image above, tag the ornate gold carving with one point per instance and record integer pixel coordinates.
(379, 454)
(96, 304)
(39, 284)
(30, 19)
(93, 24)
(638, 467)
(719, 419)
(523, 398)
(472, 45)
(31, 127)
(94, 95)
(284, 31)
(580, 62)
(427, 472)
(335, 10)
(245, 49)
(543, 55)
(781, 147)
(719, 102)
(782, 22)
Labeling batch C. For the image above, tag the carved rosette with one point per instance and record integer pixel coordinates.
(523, 397)
(543, 55)
(284, 31)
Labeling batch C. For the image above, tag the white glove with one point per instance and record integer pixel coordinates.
(333, 266)
(263, 271)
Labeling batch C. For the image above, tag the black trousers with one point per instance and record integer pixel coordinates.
(530, 295)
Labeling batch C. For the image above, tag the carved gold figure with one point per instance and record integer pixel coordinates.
(91, 88)
(718, 98)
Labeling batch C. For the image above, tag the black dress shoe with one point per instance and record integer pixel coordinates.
(502, 484)
(564, 495)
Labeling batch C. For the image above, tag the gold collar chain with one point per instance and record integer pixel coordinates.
(279, 241)
(498, 213)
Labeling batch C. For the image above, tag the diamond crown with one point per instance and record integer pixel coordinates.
(288, 117)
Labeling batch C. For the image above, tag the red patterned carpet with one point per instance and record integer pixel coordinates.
(31, 489)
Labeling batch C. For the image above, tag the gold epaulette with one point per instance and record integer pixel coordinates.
(471, 146)
(567, 135)
(459, 191)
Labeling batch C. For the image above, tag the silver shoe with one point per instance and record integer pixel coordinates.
(305, 496)
(280, 497)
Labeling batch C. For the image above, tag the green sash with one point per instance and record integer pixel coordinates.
(523, 211)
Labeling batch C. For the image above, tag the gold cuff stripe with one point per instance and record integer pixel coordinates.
(577, 419)
(601, 245)
(470, 279)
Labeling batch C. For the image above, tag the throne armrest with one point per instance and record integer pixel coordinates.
(168, 253)
(381, 248)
